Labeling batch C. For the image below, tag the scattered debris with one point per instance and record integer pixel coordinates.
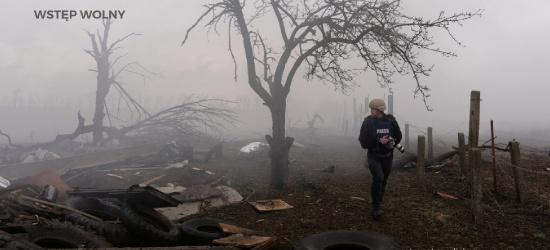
(41, 180)
(357, 198)
(170, 188)
(49, 193)
(240, 240)
(61, 166)
(178, 165)
(254, 146)
(3, 182)
(171, 150)
(270, 205)
(152, 180)
(447, 196)
(443, 218)
(40, 155)
(232, 229)
(114, 175)
(199, 197)
(410, 165)
(244, 237)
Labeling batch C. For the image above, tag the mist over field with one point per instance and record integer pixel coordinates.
(46, 77)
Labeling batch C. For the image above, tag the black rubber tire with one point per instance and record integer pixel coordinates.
(149, 224)
(345, 239)
(107, 211)
(202, 231)
(55, 234)
(7, 242)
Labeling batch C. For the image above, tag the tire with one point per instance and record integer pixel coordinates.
(107, 211)
(202, 231)
(149, 224)
(344, 239)
(55, 234)
(7, 242)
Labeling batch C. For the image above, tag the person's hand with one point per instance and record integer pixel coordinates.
(384, 140)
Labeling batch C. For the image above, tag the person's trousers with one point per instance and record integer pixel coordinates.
(380, 169)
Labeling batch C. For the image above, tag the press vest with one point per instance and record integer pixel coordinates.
(382, 128)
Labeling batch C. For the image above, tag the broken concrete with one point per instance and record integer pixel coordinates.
(195, 199)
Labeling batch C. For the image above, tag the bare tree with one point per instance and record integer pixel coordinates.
(107, 75)
(321, 35)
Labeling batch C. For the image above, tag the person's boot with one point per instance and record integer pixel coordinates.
(377, 213)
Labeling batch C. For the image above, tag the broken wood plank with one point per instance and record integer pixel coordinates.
(270, 205)
(447, 196)
(232, 229)
(154, 179)
(400, 162)
(240, 240)
(114, 175)
(268, 244)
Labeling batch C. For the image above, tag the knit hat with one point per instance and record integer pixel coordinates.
(378, 104)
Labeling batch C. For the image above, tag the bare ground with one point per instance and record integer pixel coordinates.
(325, 201)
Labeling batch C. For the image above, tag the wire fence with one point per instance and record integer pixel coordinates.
(534, 164)
(447, 138)
(536, 171)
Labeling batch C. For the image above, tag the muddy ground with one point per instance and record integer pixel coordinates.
(325, 201)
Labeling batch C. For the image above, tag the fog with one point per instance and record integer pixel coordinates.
(45, 77)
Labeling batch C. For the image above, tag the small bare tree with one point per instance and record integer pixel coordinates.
(320, 35)
(107, 75)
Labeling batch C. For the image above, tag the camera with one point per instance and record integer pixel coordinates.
(397, 146)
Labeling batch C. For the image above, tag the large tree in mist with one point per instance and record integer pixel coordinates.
(319, 36)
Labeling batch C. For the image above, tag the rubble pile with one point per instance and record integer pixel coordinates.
(31, 218)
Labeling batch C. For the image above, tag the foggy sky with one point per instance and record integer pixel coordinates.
(504, 55)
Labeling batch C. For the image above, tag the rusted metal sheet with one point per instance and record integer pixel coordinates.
(62, 165)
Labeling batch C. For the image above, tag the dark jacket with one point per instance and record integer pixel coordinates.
(368, 136)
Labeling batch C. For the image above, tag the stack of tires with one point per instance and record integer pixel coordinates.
(141, 225)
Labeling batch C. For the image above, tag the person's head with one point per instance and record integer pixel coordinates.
(377, 107)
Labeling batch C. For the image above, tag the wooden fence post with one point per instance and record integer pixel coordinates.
(462, 161)
(473, 135)
(475, 184)
(420, 162)
(430, 144)
(518, 174)
(494, 158)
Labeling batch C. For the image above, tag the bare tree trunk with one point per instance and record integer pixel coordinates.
(101, 56)
(279, 145)
(103, 86)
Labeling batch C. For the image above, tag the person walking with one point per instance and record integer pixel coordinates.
(379, 132)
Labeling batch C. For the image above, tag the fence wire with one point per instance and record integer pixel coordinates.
(506, 182)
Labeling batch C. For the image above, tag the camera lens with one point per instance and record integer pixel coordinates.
(400, 148)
